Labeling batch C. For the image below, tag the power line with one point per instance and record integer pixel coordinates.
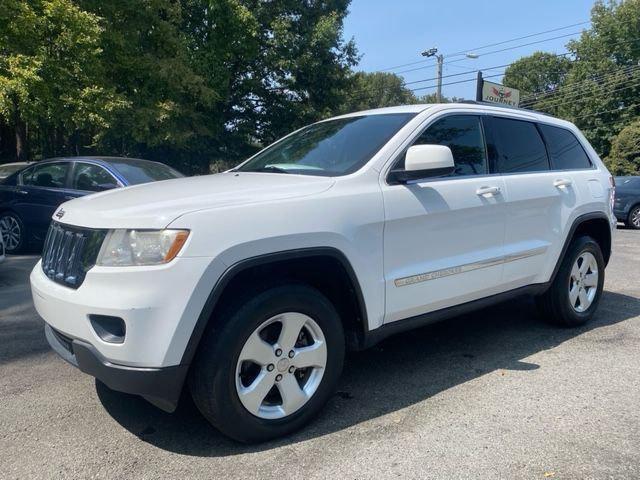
(487, 46)
(518, 38)
(495, 51)
(566, 101)
(583, 84)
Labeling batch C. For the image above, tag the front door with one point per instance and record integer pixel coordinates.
(443, 237)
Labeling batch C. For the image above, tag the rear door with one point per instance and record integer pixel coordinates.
(539, 200)
(443, 237)
(40, 190)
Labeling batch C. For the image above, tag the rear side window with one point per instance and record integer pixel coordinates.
(520, 147)
(565, 151)
(463, 135)
(49, 175)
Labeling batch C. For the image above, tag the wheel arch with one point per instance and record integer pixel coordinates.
(310, 265)
(595, 224)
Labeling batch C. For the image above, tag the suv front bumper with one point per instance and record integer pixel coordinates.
(159, 386)
(159, 307)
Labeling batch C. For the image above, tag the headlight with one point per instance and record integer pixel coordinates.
(123, 248)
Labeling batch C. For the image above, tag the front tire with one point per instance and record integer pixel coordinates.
(574, 295)
(269, 363)
(13, 232)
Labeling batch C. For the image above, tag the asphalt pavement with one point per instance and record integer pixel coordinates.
(494, 394)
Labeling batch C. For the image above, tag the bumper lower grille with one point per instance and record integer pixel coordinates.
(69, 253)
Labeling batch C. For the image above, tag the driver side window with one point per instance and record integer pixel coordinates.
(463, 135)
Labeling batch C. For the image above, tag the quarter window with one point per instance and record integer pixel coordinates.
(49, 175)
(91, 178)
(520, 147)
(565, 151)
(463, 135)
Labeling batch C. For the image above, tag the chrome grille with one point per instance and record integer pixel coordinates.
(69, 253)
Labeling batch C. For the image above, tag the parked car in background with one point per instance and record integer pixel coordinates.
(29, 197)
(1, 249)
(627, 203)
(9, 168)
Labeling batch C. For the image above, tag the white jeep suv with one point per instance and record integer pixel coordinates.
(248, 286)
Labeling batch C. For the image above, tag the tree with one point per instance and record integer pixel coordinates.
(48, 53)
(624, 158)
(375, 90)
(538, 73)
(601, 92)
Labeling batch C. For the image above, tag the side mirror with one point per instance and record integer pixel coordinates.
(424, 161)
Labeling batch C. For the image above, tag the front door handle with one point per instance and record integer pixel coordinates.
(562, 183)
(488, 191)
(22, 192)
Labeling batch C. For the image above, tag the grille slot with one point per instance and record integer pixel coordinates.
(69, 253)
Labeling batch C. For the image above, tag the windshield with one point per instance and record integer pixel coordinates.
(331, 148)
(139, 171)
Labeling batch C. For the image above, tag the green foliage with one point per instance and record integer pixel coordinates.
(624, 158)
(189, 82)
(600, 91)
(49, 54)
(375, 90)
(540, 72)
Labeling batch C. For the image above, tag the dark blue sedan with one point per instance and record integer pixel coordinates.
(29, 197)
(627, 204)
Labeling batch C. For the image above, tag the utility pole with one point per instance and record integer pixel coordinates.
(440, 59)
(433, 52)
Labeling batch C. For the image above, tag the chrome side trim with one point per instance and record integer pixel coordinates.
(468, 267)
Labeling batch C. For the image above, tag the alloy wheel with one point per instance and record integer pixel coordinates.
(281, 365)
(635, 218)
(583, 282)
(10, 231)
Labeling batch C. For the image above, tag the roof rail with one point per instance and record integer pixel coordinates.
(490, 104)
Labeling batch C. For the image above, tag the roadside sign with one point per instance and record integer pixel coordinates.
(495, 93)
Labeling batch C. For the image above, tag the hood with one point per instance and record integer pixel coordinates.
(155, 205)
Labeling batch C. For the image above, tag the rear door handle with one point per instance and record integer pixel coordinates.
(562, 183)
(488, 191)
(22, 192)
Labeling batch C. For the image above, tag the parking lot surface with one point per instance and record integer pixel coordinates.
(495, 394)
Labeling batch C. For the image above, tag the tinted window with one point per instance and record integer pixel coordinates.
(91, 178)
(520, 147)
(335, 147)
(565, 151)
(463, 135)
(50, 175)
(139, 171)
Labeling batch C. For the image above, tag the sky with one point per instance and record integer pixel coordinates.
(389, 33)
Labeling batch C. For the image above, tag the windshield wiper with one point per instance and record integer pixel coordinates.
(267, 168)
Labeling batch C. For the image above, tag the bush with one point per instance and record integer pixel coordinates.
(624, 158)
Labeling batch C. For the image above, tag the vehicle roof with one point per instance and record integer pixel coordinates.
(103, 159)
(14, 164)
(468, 106)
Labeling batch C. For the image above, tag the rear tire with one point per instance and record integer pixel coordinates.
(13, 231)
(573, 297)
(239, 354)
(633, 221)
